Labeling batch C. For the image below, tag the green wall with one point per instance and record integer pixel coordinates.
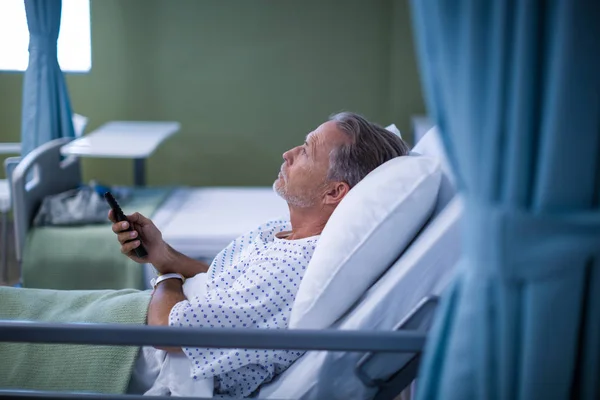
(247, 79)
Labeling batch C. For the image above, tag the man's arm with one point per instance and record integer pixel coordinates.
(166, 294)
(181, 264)
(170, 292)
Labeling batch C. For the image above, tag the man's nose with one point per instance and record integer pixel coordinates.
(287, 156)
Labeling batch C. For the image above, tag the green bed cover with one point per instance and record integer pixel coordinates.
(70, 367)
(86, 257)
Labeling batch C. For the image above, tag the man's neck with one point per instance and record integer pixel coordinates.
(307, 222)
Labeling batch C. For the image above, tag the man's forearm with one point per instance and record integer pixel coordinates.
(166, 294)
(170, 292)
(182, 264)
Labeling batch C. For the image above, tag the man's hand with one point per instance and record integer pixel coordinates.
(164, 258)
(144, 230)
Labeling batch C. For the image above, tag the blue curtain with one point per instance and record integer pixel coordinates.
(46, 113)
(514, 87)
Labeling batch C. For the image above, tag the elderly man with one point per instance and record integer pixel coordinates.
(253, 282)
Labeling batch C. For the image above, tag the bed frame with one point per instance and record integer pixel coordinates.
(41, 173)
(388, 373)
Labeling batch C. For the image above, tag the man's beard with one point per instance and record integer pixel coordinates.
(280, 187)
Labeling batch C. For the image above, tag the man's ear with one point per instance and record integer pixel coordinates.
(336, 193)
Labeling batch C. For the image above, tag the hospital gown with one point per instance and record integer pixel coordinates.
(251, 284)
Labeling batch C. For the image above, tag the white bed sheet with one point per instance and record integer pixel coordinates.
(200, 222)
(424, 269)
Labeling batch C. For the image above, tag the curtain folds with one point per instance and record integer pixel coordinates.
(46, 111)
(514, 87)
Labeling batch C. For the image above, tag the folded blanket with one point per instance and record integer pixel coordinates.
(60, 367)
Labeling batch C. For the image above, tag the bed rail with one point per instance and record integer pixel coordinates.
(40, 173)
(115, 334)
(295, 339)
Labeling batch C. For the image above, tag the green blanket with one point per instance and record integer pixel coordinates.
(86, 257)
(60, 367)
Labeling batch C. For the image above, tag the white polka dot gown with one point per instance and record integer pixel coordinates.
(251, 284)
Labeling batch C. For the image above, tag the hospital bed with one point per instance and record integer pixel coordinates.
(393, 315)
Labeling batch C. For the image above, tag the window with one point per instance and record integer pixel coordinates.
(74, 40)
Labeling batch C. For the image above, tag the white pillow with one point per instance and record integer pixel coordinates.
(431, 145)
(366, 233)
(392, 128)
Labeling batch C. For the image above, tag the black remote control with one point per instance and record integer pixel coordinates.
(140, 251)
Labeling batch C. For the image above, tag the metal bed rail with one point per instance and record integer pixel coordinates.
(289, 339)
(123, 335)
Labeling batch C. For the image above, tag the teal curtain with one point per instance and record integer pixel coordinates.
(46, 112)
(514, 86)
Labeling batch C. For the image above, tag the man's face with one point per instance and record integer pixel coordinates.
(302, 180)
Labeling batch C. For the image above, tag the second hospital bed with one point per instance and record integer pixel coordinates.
(197, 221)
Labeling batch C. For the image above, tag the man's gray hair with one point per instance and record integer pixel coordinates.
(369, 147)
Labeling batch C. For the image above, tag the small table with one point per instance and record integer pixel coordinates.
(123, 139)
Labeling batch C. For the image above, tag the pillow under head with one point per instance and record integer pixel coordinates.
(366, 233)
(431, 145)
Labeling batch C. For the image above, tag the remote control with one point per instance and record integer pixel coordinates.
(140, 251)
